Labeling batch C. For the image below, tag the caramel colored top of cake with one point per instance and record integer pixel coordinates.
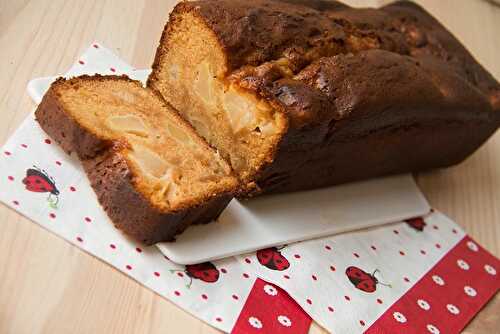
(301, 54)
(298, 94)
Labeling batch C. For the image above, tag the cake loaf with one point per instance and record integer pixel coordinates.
(299, 94)
(152, 173)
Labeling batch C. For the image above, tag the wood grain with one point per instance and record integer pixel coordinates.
(49, 286)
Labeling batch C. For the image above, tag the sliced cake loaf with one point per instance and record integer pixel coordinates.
(300, 94)
(152, 173)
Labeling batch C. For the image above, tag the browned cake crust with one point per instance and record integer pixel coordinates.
(111, 180)
(111, 177)
(366, 92)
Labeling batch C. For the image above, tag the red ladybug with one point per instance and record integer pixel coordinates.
(37, 180)
(206, 272)
(362, 280)
(416, 223)
(272, 259)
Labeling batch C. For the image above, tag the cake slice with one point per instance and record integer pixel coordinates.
(152, 173)
(302, 94)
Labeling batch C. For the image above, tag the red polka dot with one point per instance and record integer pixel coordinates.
(314, 277)
(245, 275)
(112, 69)
(454, 231)
(347, 298)
(128, 266)
(330, 308)
(157, 274)
(361, 322)
(180, 274)
(15, 202)
(79, 239)
(406, 279)
(395, 231)
(48, 141)
(332, 268)
(138, 250)
(435, 227)
(81, 62)
(218, 319)
(73, 189)
(401, 253)
(328, 247)
(423, 252)
(297, 256)
(11, 178)
(379, 301)
(112, 246)
(355, 255)
(52, 215)
(247, 260)
(373, 247)
(88, 220)
(96, 46)
(204, 296)
(58, 163)
(286, 277)
(223, 270)
(177, 293)
(309, 301)
(235, 297)
(7, 153)
(24, 146)
(438, 246)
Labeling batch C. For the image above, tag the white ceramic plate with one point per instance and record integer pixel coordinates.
(280, 219)
(274, 220)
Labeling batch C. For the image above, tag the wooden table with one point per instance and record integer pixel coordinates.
(49, 286)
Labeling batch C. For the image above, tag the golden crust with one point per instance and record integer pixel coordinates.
(115, 180)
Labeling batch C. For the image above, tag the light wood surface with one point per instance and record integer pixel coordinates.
(49, 286)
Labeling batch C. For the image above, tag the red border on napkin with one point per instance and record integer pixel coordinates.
(448, 296)
(269, 309)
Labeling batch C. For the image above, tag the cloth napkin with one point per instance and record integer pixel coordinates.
(420, 276)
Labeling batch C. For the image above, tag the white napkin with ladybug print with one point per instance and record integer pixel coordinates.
(421, 276)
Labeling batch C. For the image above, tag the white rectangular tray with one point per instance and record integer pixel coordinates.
(267, 221)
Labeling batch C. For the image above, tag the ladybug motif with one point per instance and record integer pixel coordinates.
(206, 272)
(37, 180)
(416, 223)
(272, 259)
(362, 280)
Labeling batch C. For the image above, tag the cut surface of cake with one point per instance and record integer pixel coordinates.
(303, 94)
(151, 172)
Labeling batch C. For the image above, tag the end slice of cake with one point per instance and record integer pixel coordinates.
(152, 173)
